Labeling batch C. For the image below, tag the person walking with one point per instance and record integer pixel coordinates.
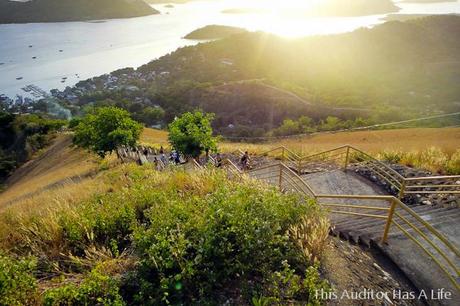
(218, 160)
(244, 161)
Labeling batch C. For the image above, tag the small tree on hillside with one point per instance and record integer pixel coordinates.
(191, 134)
(107, 129)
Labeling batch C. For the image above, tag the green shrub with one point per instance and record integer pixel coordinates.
(453, 164)
(285, 286)
(195, 246)
(393, 157)
(95, 289)
(192, 238)
(17, 284)
(105, 221)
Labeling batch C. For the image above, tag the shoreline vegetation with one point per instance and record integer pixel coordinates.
(406, 17)
(76, 10)
(214, 32)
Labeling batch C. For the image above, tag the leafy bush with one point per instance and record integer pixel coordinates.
(285, 286)
(393, 157)
(453, 164)
(17, 284)
(95, 289)
(197, 238)
(196, 246)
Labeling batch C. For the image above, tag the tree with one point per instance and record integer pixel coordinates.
(289, 127)
(151, 115)
(191, 134)
(107, 129)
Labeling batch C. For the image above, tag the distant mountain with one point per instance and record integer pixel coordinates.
(214, 32)
(71, 10)
(326, 8)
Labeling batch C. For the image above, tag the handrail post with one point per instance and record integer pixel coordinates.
(281, 177)
(402, 190)
(283, 157)
(299, 166)
(389, 220)
(347, 159)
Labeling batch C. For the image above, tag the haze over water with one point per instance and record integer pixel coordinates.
(94, 48)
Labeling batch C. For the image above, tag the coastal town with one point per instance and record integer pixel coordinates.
(131, 82)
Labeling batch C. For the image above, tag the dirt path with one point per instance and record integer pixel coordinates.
(352, 269)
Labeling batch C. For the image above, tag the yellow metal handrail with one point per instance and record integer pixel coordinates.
(391, 176)
(284, 175)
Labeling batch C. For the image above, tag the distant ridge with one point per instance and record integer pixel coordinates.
(214, 32)
(71, 10)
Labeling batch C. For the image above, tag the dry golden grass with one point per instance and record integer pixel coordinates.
(154, 137)
(59, 162)
(39, 210)
(415, 139)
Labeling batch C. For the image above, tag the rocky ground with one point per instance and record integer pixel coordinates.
(438, 199)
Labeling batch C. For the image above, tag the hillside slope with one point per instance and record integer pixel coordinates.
(71, 10)
(59, 163)
(98, 232)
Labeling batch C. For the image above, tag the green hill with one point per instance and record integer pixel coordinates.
(71, 10)
(214, 32)
(397, 70)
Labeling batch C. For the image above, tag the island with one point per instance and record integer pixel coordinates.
(214, 32)
(427, 1)
(330, 8)
(71, 10)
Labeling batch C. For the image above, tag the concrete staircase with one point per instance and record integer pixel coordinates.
(410, 257)
(430, 263)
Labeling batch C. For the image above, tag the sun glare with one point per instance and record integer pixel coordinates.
(275, 6)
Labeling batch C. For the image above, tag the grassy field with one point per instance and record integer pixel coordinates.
(416, 139)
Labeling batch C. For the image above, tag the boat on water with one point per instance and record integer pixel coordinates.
(19, 78)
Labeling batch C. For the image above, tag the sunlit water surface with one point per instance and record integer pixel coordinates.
(80, 50)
